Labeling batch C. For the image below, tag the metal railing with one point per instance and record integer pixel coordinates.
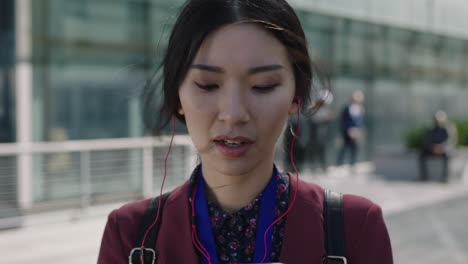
(85, 170)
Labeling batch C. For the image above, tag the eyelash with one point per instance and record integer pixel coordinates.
(209, 87)
(265, 88)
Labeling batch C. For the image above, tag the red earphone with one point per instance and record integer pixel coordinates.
(296, 99)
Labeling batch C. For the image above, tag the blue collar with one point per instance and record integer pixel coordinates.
(266, 217)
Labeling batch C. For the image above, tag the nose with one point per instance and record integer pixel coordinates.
(233, 107)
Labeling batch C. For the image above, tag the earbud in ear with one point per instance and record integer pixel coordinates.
(296, 99)
(295, 106)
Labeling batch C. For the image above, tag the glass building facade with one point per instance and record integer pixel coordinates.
(90, 60)
(7, 61)
(407, 75)
(7, 109)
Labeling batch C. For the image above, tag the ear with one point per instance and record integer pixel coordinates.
(293, 108)
(181, 111)
(295, 105)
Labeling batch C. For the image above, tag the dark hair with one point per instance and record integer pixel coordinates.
(197, 20)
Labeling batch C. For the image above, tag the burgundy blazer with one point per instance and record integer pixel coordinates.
(366, 237)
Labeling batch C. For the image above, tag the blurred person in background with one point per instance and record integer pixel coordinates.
(351, 126)
(233, 72)
(439, 141)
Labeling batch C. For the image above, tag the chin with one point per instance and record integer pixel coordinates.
(233, 167)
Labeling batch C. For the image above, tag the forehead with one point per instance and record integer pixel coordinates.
(241, 44)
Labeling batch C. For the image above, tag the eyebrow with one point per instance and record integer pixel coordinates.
(254, 70)
(264, 68)
(205, 67)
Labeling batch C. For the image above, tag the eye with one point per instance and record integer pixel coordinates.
(206, 87)
(265, 88)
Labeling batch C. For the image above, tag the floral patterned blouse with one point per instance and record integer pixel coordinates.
(234, 232)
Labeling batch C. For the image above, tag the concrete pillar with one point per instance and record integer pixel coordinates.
(23, 76)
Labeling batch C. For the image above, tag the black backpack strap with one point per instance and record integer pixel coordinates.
(334, 228)
(138, 255)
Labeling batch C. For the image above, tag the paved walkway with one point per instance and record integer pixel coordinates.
(426, 222)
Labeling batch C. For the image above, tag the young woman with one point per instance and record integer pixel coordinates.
(234, 71)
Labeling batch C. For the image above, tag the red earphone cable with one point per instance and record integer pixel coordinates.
(291, 155)
(198, 244)
(195, 239)
(162, 184)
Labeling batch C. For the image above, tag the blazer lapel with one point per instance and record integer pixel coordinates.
(175, 238)
(304, 236)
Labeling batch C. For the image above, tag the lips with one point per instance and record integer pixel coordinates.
(233, 147)
(234, 139)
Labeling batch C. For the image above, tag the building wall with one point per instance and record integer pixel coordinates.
(406, 74)
(91, 59)
(447, 17)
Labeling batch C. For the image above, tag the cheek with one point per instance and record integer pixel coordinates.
(191, 102)
(197, 112)
(274, 110)
(197, 125)
(272, 116)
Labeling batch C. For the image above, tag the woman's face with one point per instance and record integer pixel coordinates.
(236, 98)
